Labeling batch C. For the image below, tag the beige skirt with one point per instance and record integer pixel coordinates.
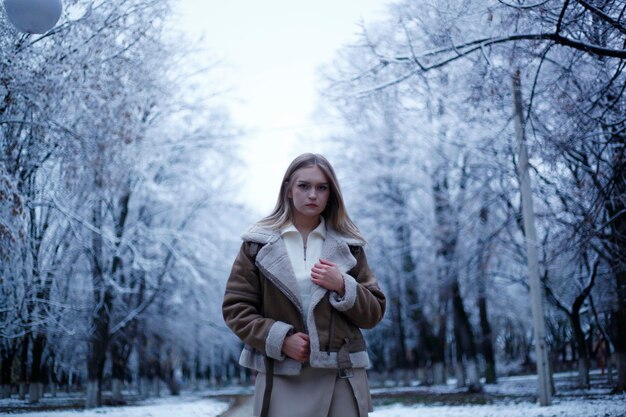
(315, 393)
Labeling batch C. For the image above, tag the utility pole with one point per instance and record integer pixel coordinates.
(536, 290)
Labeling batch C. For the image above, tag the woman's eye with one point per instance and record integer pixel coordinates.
(322, 187)
(303, 186)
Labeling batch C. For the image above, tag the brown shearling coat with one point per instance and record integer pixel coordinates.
(262, 303)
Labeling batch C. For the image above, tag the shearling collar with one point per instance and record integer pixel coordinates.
(263, 234)
(273, 260)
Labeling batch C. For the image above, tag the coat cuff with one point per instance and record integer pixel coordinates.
(275, 339)
(349, 297)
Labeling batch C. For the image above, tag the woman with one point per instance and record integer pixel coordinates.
(298, 293)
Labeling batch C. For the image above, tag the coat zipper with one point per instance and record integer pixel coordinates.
(304, 313)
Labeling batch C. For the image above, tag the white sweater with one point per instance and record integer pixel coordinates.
(303, 255)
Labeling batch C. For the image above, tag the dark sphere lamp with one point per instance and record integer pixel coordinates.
(33, 16)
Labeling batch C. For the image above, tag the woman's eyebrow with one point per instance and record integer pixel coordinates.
(308, 182)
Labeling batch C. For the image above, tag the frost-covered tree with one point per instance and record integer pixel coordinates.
(115, 181)
(464, 55)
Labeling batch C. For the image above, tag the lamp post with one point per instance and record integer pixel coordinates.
(33, 16)
(536, 289)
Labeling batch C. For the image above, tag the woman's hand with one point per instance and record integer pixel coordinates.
(297, 347)
(327, 275)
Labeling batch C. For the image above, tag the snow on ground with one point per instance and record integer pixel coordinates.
(510, 397)
(614, 406)
(161, 407)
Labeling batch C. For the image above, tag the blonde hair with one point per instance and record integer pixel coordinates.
(335, 212)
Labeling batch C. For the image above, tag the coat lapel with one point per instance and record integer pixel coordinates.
(273, 261)
(334, 249)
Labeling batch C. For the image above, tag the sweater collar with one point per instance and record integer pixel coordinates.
(263, 234)
(319, 230)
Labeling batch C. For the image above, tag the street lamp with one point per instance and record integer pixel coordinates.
(33, 16)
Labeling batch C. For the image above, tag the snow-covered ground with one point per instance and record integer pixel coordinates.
(610, 406)
(605, 407)
(511, 397)
(184, 406)
(187, 405)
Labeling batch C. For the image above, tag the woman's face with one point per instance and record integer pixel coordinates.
(309, 192)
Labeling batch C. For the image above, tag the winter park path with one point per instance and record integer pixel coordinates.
(510, 397)
(242, 407)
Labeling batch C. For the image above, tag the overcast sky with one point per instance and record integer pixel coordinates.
(273, 49)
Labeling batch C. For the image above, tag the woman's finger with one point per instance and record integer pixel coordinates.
(327, 262)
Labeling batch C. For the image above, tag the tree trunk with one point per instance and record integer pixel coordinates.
(618, 321)
(116, 391)
(619, 268)
(618, 335)
(156, 387)
(98, 343)
(100, 319)
(464, 338)
(439, 373)
(584, 361)
(439, 355)
(425, 345)
(95, 367)
(621, 371)
(95, 361)
(401, 355)
(473, 376)
(8, 355)
(144, 387)
(197, 371)
(147, 369)
(54, 378)
(170, 372)
(120, 350)
(24, 367)
(486, 342)
(35, 392)
(36, 378)
(459, 371)
(445, 235)
(609, 365)
(173, 383)
(92, 394)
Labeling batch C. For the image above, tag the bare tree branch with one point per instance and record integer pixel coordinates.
(617, 25)
(530, 6)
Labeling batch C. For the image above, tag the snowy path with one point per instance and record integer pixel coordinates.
(242, 408)
(614, 406)
(610, 406)
(511, 397)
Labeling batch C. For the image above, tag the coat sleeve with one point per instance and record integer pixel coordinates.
(242, 309)
(363, 302)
